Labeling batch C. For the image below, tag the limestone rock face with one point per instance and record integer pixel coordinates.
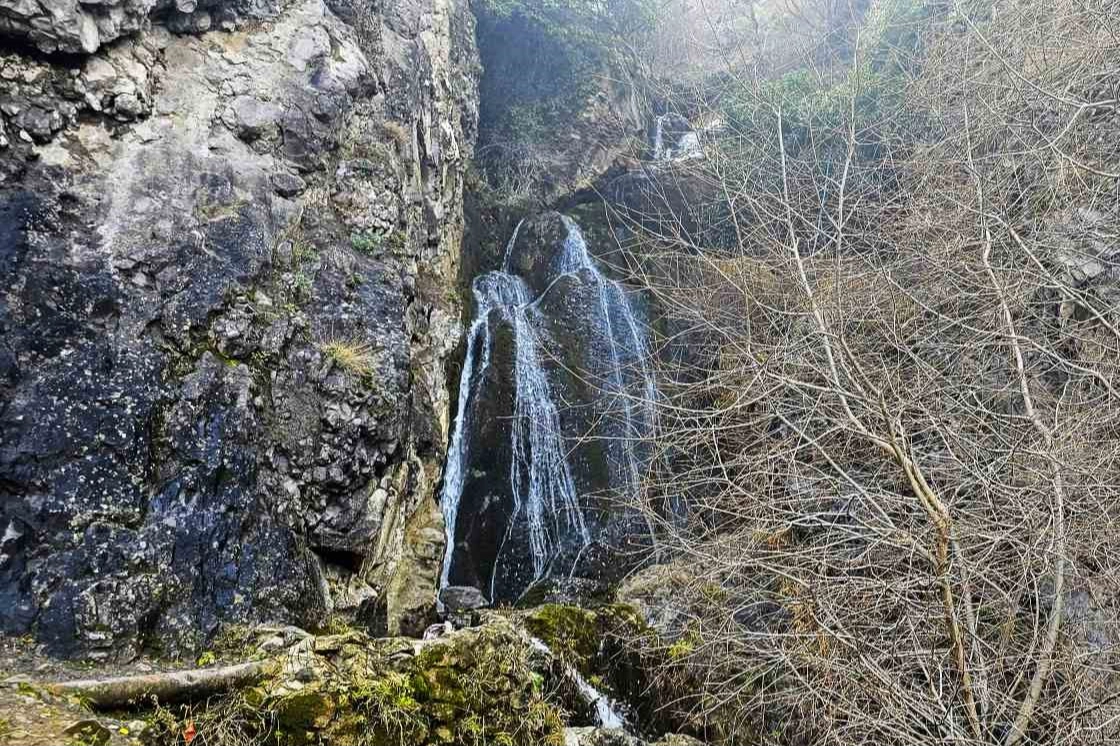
(224, 318)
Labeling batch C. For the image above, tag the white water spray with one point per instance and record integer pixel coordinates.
(687, 145)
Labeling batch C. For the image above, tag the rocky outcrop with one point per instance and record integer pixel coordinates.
(224, 322)
(74, 26)
(481, 685)
(41, 98)
(523, 678)
(558, 107)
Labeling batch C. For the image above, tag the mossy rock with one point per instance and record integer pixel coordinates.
(580, 636)
(307, 710)
(570, 632)
(440, 685)
(472, 687)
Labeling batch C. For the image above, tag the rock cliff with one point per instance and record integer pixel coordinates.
(228, 261)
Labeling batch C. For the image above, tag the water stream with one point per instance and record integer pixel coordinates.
(607, 714)
(686, 146)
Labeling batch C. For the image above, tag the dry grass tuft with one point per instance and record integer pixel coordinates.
(351, 355)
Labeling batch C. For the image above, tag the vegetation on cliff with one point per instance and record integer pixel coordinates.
(553, 76)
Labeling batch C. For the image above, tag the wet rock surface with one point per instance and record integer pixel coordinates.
(557, 416)
(224, 322)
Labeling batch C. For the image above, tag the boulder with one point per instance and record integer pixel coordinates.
(460, 599)
(655, 593)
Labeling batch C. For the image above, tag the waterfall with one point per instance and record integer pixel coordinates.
(626, 350)
(490, 291)
(659, 153)
(687, 145)
(510, 244)
(544, 516)
(540, 476)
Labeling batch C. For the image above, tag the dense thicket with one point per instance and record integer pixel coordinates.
(897, 429)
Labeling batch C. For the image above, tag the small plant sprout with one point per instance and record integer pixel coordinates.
(366, 242)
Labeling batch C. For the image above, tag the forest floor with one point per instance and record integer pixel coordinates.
(30, 716)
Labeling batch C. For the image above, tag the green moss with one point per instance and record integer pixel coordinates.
(577, 635)
(572, 633)
(390, 705)
(683, 647)
(305, 710)
(303, 252)
(302, 287)
(442, 685)
(476, 687)
(366, 242)
(236, 643)
(624, 618)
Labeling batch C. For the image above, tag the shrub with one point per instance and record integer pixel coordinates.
(894, 430)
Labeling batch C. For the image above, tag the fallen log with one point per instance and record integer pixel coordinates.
(118, 692)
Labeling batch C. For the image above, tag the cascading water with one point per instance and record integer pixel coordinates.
(606, 712)
(659, 153)
(513, 456)
(626, 350)
(687, 143)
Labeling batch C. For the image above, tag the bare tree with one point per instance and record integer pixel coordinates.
(896, 424)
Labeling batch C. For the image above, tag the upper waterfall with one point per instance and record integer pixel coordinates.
(674, 139)
(555, 411)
